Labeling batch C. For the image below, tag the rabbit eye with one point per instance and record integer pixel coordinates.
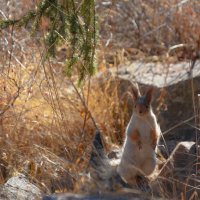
(135, 106)
(147, 107)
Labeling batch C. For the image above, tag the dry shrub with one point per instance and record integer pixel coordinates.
(110, 104)
(41, 132)
(146, 28)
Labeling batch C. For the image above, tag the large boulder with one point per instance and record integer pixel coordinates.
(158, 74)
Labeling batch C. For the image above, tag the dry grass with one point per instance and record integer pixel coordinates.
(142, 29)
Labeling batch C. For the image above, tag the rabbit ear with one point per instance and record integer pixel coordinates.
(136, 92)
(148, 95)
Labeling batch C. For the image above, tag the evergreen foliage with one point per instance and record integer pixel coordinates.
(70, 21)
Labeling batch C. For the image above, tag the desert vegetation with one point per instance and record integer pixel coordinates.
(57, 88)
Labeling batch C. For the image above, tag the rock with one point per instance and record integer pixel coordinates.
(99, 167)
(177, 179)
(103, 174)
(19, 187)
(158, 74)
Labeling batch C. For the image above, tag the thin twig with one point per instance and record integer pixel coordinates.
(15, 96)
(11, 51)
(179, 124)
(84, 104)
(86, 113)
